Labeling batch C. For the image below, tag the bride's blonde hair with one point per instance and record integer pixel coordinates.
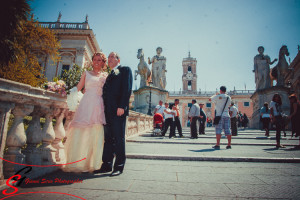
(101, 54)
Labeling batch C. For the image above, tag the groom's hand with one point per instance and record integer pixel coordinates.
(120, 112)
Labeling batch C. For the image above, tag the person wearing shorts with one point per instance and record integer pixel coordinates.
(220, 99)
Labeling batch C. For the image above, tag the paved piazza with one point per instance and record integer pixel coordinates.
(171, 175)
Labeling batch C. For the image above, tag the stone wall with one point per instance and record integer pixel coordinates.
(40, 145)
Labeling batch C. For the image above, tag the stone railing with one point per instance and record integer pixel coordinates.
(58, 25)
(40, 145)
(209, 93)
(138, 123)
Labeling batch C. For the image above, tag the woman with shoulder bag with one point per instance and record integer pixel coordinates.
(265, 117)
(276, 117)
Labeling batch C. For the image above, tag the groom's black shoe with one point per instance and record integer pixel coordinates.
(103, 169)
(116, 173)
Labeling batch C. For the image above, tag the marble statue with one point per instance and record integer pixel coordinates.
(262, 69)
(279, 71)
(158, 69)
(86, 19)
(59, 16)
(143, 70)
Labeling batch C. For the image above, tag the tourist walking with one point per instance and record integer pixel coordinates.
(202, 120)
(222, 102)
(245, 120)
(177, 118)
(240, 117)
(169, 120)
(194, 116)
(233, 112)
(85, 136)
(276, 117)
(295, 115)
(265, 118)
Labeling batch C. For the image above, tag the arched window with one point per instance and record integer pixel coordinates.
(189, 85)
(189, 69)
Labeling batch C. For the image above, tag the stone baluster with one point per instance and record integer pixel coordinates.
(60, 133)
(16, 139)
(34, 137)
(48, 152)
(69, 117)
(5, 109)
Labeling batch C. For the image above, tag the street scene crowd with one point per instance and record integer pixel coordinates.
(227, 118)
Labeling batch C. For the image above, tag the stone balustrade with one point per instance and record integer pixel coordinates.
(40, 145)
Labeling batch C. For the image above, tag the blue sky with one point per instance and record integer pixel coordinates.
(223, 35)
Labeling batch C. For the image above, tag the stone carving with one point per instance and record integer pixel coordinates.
(158, 69)
(279, 71)
(143, 70)
(59, 16)
(262, 69)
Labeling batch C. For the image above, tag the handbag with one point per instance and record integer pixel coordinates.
(218, 118)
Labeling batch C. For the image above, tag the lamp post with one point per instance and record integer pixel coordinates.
(289, 86)
(149, 110)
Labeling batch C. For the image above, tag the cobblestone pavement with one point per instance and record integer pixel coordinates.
(175, 180)
(169, 176)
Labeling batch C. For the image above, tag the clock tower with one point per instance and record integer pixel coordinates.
(189, 77)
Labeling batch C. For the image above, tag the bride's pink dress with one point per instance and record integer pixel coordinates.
(85, 136)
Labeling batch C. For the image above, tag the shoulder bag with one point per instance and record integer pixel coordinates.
(218, 118)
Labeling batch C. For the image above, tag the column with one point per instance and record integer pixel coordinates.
(60, 133)
(48, 135)
(80, 56)
(16, 139)
(69, 117)
(34, 137)
(5, 109)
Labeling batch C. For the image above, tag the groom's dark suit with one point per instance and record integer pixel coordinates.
(116, 94)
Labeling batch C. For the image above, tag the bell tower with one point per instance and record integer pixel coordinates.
(189, 76)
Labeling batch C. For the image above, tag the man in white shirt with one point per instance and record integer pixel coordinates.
(233, 111)
(160, 108)
(194, 116)
(222, 102)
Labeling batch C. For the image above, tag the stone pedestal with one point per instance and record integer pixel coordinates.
(266, 95)
(142, 98)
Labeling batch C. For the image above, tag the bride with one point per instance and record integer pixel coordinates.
(85, 136)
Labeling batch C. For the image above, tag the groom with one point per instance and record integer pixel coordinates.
(116, 94)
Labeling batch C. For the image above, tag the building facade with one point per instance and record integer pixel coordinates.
(78, 44)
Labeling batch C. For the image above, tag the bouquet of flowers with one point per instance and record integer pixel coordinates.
(56, 86)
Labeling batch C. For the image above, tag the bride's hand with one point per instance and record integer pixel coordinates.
(120, 112)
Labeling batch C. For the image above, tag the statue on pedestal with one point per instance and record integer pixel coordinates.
(279, 71)
(143, 70)
(262, 69)
(59, 16)
(158, 69)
